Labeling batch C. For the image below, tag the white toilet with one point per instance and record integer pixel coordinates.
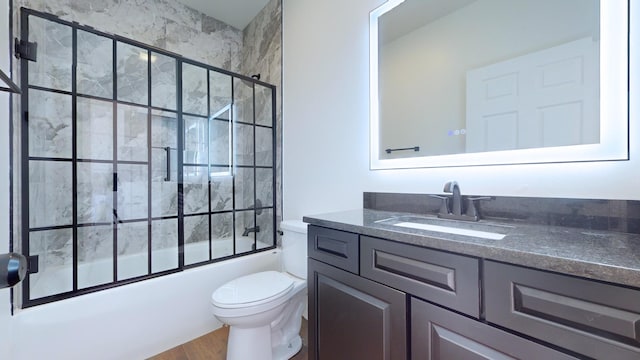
(264, 310)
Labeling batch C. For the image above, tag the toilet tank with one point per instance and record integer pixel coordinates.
(294, 247)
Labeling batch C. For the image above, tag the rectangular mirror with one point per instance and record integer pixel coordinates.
(488, 82)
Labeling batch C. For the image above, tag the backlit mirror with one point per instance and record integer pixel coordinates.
(480, 82)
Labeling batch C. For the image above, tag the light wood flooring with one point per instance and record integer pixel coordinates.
(213, 346)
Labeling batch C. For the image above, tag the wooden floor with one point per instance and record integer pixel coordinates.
(213, 346)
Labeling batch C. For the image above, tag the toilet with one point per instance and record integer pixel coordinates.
(264, 310)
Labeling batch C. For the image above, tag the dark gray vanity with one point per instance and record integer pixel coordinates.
(382, 291)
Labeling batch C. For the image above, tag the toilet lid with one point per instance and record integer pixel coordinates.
(252, 289)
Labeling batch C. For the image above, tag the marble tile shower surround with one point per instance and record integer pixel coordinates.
(164, 24)
(611, 215)
(262, 53)
(177, 29)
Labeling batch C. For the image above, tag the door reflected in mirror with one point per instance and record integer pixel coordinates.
(474, 82)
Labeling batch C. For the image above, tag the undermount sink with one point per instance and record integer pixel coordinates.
(472, 229)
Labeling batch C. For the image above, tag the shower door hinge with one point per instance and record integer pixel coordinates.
(26, 50)
(32, 264)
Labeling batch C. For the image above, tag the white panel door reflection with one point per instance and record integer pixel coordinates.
(542, 99)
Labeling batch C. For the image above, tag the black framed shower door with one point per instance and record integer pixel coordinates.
(136, 162)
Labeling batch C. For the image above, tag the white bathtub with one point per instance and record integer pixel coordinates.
(134, 321)
(58, 279)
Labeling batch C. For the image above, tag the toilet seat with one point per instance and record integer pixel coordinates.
(252, 290)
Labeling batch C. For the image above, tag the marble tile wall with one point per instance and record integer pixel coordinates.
(168, 25)
(95, 65)
(50, 200)
(50, 124)
(94, 193)
(94, 127)
(163, 81)
(132, 74)
(194, 89)
(262, 54)
(56, 41)
(164, 24)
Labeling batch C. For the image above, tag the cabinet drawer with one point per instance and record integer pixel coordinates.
(334, 247)
(446, 279)
(598, 320)
(438, 334)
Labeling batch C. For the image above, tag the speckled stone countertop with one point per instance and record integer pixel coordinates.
(601, 255)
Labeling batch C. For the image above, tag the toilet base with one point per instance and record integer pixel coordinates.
(249, 343)
(260, 348)
(285, 352)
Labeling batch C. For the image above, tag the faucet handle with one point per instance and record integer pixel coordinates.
(444, 206)
(472, 210)
(474, 198)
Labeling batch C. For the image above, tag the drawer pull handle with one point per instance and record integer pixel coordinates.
(332, 246)
(584, 315)
(435, 275)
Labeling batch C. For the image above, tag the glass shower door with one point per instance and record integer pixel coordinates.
(49, 155)
(164, 163)
(136, 162)
(220, 164)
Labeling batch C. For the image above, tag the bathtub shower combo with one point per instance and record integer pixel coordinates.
(135, 162)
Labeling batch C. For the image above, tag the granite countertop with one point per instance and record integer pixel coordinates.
(601, 255)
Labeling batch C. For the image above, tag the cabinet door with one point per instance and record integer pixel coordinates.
(439, 334)
(598, 320)
(354, 318)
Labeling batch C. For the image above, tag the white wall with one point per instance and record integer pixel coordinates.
(5, 306)
(326, 126)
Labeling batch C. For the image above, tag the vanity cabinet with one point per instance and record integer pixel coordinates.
(440, 277)
(598, 320)
(353, 318)
(338, 248)
(439, 334)
(392, 300)
(350, 317)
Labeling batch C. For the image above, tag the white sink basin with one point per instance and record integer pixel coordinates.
(480, 229)
(452, 230)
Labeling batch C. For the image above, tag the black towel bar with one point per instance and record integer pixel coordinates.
(415, 148)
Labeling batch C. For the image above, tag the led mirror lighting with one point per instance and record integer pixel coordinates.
(614, 133)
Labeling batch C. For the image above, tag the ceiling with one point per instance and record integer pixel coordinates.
(414, 14)
(237, 13)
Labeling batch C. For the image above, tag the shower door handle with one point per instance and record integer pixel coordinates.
(168, 150)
